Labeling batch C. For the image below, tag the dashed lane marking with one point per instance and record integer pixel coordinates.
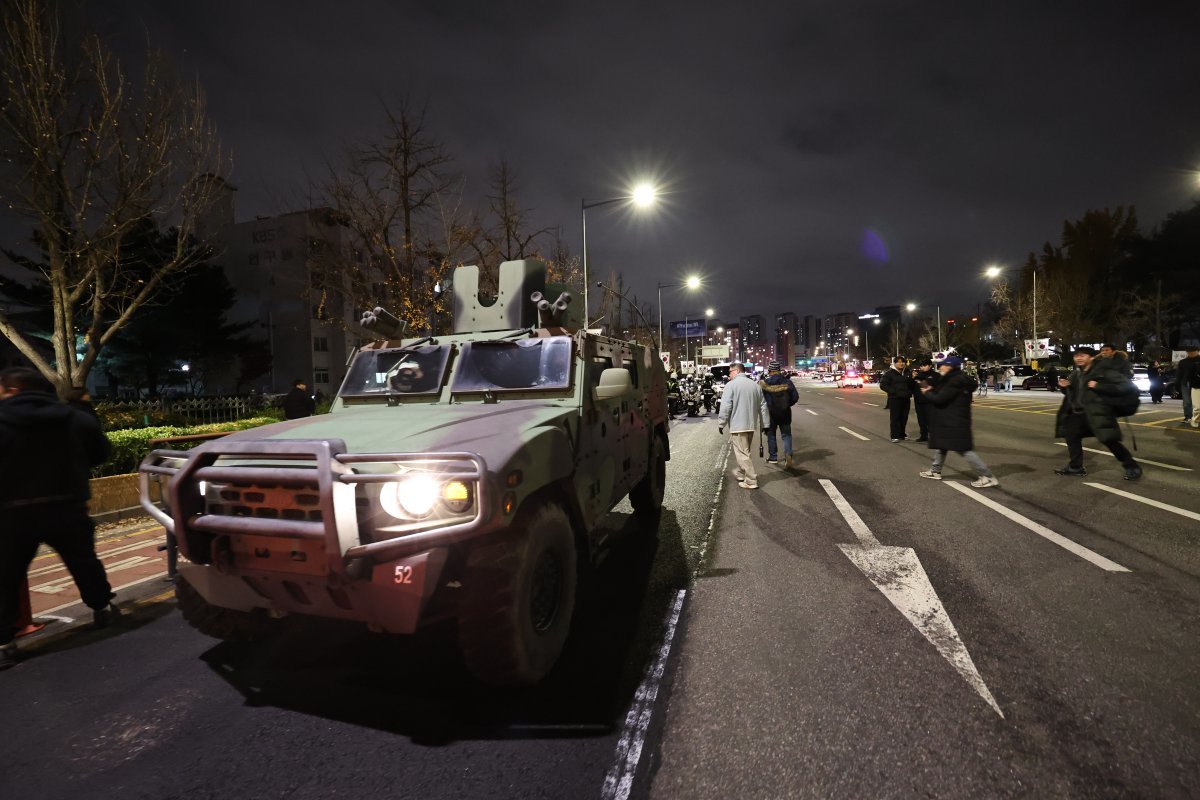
(1183, 512)
(1140, 460)
(852, 433)
(865, 403)
(1041, 530)
(809, 410)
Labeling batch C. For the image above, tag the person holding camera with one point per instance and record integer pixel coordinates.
(950, 422)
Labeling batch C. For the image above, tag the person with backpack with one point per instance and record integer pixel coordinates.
(780, 394)
(1095, 395)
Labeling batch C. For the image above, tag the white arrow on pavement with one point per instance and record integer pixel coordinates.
(898, 574)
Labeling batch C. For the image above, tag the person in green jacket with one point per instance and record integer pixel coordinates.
(1084, 412)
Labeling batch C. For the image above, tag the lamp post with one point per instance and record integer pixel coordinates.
(995, 272)
(913, 307)
(693, 282)
(643, 196)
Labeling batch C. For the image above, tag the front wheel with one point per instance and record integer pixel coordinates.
(518, 598)
(220, 623)
(647, 497)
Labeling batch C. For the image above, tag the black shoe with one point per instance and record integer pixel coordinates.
(1077, 471)
(103, 617)
(922, 438)
(8, 656)
(1133, 472)
(772, 460)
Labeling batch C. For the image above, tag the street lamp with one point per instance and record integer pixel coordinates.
(642, 196)
(913, 307)
(693, 282)
(994, 272)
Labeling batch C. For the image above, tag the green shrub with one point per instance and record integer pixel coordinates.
(131, 445)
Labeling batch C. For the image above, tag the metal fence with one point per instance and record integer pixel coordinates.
(196, 410)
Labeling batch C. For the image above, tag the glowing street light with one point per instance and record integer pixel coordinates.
(692, 282)
(913, 307)
(644, 195)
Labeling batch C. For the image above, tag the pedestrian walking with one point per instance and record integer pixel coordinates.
(781, 395)
(1118, 359)
(924, 375)
(1009, 374)
(299, 402)
(1084, 412)
(1187, 378)
(950, 422)
(1154, 373)
(744, 411)
(898, 385)
(47, 451)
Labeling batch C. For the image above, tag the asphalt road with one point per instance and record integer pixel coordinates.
(918, 643)
(911, 642)
(153, 709)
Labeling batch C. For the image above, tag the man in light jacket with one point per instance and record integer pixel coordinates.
(744, 411)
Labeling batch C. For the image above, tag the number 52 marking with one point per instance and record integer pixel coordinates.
(403, 574)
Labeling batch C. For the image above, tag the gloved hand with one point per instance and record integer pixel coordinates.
(721, 429)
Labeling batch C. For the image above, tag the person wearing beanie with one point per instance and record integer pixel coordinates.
(780, 394)
(950, 422)
(899, 386)
(924, 375)
(1084, 412)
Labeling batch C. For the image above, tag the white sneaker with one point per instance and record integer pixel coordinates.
(983, 483)
(935, 476)
(745, 485)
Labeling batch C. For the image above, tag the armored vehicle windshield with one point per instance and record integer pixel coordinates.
(514, 365)
(407, 371)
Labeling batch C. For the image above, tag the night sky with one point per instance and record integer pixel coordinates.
(818, 157)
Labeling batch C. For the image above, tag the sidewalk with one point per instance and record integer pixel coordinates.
(136, 569)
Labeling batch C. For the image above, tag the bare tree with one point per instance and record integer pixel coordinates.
(90, 157)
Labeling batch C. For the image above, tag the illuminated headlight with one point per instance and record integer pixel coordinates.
(457, 496)
(411, 498)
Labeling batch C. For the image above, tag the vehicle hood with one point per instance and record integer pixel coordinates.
(494, 432)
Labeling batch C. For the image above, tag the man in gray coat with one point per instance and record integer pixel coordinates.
(744, 411)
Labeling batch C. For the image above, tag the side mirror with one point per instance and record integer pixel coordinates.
(614, 382)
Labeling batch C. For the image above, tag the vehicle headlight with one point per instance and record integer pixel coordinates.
(410, 498)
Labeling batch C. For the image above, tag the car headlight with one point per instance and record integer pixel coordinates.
(410, 498)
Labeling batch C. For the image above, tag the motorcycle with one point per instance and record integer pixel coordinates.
(675, 405)
(691, 398)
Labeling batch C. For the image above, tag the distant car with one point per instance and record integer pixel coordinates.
(1171, 385)
(1022, 370)
(851, 380)
(1040, 381)
(1141, 379)
(830, 377)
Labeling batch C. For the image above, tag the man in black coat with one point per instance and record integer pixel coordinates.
(299, 402)
(950, 422)
(923, 375)
(1187, 378)
(1085, 412)
(899, 387)
(47, 451)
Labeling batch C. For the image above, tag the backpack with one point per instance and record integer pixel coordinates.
(1126, 403)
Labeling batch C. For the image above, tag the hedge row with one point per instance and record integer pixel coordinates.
(131, 445)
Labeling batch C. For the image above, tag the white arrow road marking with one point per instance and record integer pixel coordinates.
(1041, 530)
(1140, 460)
(1183, 512)
(898, 574)
(852, 433)
(809, 410)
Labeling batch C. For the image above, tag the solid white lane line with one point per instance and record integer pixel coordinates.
(849, 514)
(618, 783)
(1041, 530)
(1183, 512)
(809, 410)
(865, 403)
(49, 611)
(852, 433)
(1140, 460)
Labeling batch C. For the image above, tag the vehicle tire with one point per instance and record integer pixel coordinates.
(518, 597)
(220, 623)
(647, 496)
(1025, 385)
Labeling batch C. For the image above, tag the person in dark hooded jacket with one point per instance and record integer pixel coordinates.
(47, 451)
(780, 394)
(950, 422)
(1084, 412)
(298, 403)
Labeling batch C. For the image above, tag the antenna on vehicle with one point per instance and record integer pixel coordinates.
(649, 327)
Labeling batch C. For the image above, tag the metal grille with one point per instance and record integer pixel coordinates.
(265, 501)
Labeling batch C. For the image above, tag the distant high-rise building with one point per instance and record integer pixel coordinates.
(787, 335)
(753, 338)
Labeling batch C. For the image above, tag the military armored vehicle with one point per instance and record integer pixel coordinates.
(456, 476)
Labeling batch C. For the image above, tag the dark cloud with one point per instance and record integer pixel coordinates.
(959, 133)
